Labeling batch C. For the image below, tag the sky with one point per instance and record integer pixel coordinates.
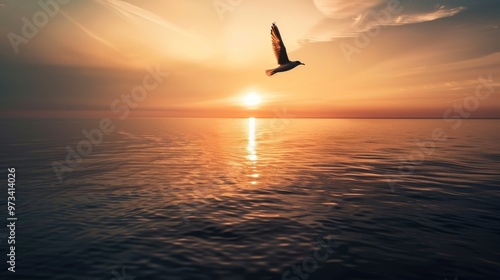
(199, 58)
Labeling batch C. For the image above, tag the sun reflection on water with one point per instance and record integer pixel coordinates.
(252, 155)
(251, 149)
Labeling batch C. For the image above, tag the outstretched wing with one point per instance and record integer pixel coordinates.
(278, 46)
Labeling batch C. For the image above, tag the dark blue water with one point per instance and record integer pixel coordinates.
(254, 199)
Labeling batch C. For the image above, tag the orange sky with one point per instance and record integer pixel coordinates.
(363, 58)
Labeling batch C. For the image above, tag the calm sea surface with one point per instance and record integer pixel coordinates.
(254, 199)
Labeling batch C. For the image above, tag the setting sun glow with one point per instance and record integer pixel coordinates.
(251, 99)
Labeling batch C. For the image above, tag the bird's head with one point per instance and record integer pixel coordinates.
(299, 63)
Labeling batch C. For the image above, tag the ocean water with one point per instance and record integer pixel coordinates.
(254, 199)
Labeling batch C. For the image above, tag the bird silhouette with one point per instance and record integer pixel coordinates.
(280, 52)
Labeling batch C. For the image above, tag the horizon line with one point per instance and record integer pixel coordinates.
(213, 117)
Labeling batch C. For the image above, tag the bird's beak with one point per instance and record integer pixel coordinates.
(302, 63)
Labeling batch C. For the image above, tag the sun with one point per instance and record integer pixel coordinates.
(251, 99)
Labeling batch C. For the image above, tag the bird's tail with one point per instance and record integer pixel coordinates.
(270, 72)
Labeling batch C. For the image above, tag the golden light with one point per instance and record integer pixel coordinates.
(252, 155)
(251, 148)
(251, 99)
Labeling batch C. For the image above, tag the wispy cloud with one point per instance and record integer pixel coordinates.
(132, 12)
(338, 9)
(364, 21)
(441, 12)
(90, 33)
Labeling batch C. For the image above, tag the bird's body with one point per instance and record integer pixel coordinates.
(283, 68)
(280, 53)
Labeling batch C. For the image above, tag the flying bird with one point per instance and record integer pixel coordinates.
(280, 53)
